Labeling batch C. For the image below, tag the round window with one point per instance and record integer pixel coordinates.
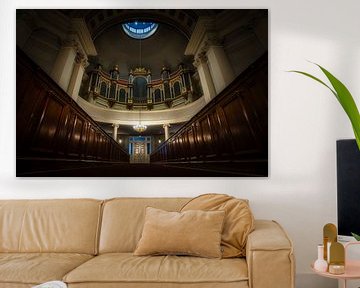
(140, 29)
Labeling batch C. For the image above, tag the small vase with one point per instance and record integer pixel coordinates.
(320, 264)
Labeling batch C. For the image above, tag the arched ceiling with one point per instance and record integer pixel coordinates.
(165, 47)
(99, 20)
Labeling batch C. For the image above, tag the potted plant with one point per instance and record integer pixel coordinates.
(357, 237)
(344, 97)
(346, 100)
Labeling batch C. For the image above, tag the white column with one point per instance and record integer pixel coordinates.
(220, 67)
(76, 76)
(63, 66)
(166, 129)
(205, 77)
(116, 126)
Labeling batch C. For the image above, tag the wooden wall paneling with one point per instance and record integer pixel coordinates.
(97, 145)
(27, 118)
(26, 79)
(199, 144)
(59, 146)
(100, 147)
(48, 125)
(164, 153)
(215, 133)
(64, 132)
(109, 150)
(176, 150)
(75, 138)
(90, 143)
(192, 150)
(239, 127)
(83, 142)
(209, 139)
(232, 128)
(253, 120)
(85, 138)
(105, 151)
(258, 97)
(180, 146)
(226, 142)
(170, 150)
(185, 139)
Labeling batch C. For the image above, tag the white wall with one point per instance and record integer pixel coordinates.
(305, 121)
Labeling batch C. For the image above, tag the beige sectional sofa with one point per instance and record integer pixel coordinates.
(90, 243)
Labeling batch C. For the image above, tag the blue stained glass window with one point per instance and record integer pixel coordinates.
(140, 29)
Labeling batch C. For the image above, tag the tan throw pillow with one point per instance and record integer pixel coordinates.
(196, 233)
(239, 221)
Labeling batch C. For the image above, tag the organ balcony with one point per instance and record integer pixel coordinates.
(139, 91)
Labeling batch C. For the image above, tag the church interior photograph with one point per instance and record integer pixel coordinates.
(156, 92)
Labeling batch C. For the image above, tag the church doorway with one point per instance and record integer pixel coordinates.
(140, 149)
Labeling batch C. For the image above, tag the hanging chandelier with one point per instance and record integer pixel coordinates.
(139, 127)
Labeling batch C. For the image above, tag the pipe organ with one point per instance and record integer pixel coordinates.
(139, 89)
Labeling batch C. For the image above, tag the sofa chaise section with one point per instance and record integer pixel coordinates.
(43, 240)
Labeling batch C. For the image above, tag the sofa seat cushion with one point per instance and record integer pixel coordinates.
(127, 268)
(36, 268)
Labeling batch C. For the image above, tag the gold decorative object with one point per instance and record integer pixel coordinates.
(336, 269)
(337, 253)
(140, 71)
(337, 258)
(330, 236)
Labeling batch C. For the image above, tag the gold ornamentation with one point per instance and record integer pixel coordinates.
(337, 254)
(330, 236)
(140, 71)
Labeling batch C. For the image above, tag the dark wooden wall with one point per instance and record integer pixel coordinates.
(228, 135)
(49, 124)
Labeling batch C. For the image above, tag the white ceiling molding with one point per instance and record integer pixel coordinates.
(126, 117)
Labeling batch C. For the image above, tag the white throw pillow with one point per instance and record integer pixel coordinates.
(52, 284)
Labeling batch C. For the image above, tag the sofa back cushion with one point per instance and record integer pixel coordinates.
(123, 220)
(66, 226)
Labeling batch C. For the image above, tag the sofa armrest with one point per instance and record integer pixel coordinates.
(269, 256)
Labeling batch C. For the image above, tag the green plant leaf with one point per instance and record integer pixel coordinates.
(357, 237)
(316, 79)
(344, 97)
(346, 100)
